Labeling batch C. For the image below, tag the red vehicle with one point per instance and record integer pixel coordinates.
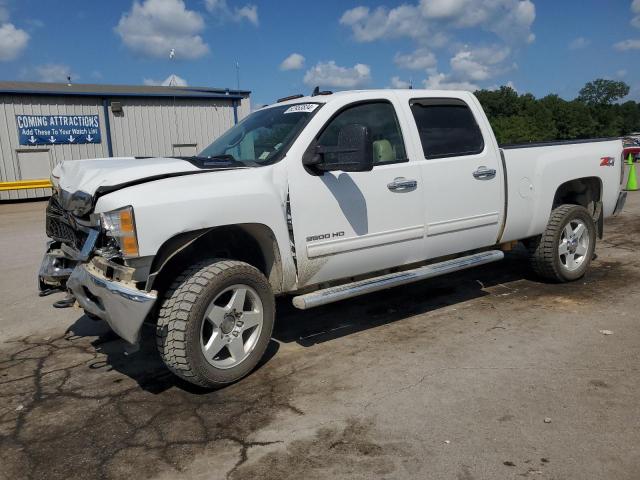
(633, 150)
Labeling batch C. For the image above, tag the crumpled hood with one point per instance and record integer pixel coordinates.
(89, 175)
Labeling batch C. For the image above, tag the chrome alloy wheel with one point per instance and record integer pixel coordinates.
(231, 326)
(574, 245)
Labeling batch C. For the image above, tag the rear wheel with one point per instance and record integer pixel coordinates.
(215, 322)
(564, 251)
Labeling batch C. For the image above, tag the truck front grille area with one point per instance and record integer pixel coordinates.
(59, 225)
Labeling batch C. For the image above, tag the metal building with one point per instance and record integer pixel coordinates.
(42, 124)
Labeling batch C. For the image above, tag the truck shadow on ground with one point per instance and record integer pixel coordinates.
(144, 365)
(308, 328)
(337, 320)
(77, 407)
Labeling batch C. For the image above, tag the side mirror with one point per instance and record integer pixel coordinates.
(354, 152)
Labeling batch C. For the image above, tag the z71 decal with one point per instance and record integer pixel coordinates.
(607, 162)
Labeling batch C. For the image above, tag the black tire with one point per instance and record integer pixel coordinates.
(182, 313)
(544, 254)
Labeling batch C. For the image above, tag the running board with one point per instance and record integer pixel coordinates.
(361, 287)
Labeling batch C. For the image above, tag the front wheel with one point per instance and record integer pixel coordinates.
(215, 322)
(564, 251)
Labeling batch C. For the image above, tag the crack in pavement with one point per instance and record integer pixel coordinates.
(73, 406)
(69, 412)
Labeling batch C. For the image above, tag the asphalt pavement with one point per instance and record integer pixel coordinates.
(486, 374)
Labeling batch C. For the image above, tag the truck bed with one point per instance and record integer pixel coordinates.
(555, 143)
(534, 172)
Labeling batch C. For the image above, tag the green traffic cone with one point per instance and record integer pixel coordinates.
(632, 182)
(630, 159)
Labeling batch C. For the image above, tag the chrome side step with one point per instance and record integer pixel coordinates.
(361, 287)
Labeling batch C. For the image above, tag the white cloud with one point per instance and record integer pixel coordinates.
(479, 64)
(220, 8)
(249, 12)
(421, 59)
(172, 80)
(368, 26)
(442, 9)
(635, 8)
(469, 67)
(578, 43)
(355, 15)
(441, 81)
(13, 41)
(52, 72)
(328, 74)
(295, 61)
(397, 82)
(510, 20)
(631, 44)
(436, 24)
(154, 27)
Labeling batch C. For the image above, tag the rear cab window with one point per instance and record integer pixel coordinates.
(447, 127)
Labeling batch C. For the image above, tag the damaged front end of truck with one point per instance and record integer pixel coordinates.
(86, 256)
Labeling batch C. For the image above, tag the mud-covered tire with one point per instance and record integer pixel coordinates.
(183, 311)
(544, 251)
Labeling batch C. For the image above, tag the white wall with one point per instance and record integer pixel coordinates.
(149, 126)
(12, 105)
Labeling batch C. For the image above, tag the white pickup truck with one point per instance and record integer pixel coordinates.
(323, 197)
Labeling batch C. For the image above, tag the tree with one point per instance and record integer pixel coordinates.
(603, 92)
(630, 114)
(572, 119)
(502, 102)
(524, 118)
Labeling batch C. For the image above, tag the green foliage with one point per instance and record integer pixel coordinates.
(523, 118)
(603, 92)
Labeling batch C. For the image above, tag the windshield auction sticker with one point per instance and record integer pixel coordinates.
(302, 108)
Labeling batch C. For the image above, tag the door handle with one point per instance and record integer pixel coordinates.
(401, 184)
(484, 173)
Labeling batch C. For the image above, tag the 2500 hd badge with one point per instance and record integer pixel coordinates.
(324, 236)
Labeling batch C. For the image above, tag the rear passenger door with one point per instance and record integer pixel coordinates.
(462, 173)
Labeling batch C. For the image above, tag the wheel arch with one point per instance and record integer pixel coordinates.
(584, 191)
(253, 243)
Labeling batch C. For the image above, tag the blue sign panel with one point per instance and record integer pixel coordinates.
(58, 129)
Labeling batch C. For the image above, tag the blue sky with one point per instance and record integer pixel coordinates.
(538, 46)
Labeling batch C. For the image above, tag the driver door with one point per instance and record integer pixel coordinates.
(350, 223)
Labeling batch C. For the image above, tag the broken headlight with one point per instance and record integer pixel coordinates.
(121, 225)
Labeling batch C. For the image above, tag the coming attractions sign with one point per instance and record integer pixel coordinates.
(58, 129)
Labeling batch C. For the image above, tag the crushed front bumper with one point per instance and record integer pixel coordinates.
(122, 306)
(55, 269)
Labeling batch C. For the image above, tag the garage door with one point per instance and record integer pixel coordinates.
(34, 165)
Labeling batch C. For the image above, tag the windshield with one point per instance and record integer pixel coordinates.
(263, 135)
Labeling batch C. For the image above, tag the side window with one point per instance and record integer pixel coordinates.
(447, 128)
(380, 118)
